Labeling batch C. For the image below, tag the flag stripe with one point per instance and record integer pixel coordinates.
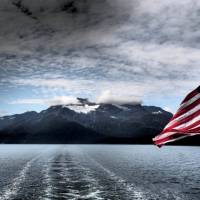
(194, 124)
(164, 141)
(183, 111)
(190, 95)
(190, 101)
(186, 122)
(197, 126)
(181, 130)
(162, 136)
(175, 136)
(190, 112)
(196, 129)
(189, 124)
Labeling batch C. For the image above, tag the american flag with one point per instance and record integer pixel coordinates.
(185, 122)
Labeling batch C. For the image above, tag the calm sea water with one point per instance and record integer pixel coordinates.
(113, 172)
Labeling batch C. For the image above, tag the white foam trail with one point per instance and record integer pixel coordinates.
(134, 191)
(94, 190)
(12, 190)
(47, 178)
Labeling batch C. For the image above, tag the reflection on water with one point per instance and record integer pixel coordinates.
(99, 172)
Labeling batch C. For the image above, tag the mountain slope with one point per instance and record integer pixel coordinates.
(85, 122)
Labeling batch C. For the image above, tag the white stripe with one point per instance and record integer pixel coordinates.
(190, 101)
(181, 137)
(164, 135)
(192, 134)
(198, 126)
(172, 140)
(185, 125)
(190, 112)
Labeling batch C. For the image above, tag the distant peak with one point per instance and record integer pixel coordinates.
(85, 101)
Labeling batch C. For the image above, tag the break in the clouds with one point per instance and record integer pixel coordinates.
(139, 50)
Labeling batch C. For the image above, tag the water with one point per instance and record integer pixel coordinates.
(73, 172)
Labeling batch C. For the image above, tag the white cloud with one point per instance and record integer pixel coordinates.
(62, 100)
(87, 88)
(133, 48)
(107, 97)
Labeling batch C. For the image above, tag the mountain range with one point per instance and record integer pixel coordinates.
(86, 122)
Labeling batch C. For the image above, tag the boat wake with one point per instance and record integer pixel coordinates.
(66, 179)
(10, 191)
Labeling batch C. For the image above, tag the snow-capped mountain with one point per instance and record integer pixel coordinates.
(85, 122)
(84, 106)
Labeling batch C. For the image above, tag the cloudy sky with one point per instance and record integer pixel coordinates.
(125, 50)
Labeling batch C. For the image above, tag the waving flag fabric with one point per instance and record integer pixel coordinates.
(185, 122)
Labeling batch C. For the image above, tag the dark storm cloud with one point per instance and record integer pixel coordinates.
(47, 17)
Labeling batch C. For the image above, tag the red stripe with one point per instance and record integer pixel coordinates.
(184, 120)
(161, 141)
(195, 130)
(171, 137)
(186, 109)
(189, 127)
(190, 95)
(186, 129)
(189, 130)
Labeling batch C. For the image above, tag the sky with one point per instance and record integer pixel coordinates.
(53, 51)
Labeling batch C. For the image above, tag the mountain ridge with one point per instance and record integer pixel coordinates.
(85, 122)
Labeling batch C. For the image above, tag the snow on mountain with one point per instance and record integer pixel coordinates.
(121, 107)
(113, 117)
(82, 108)
(157, 112)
